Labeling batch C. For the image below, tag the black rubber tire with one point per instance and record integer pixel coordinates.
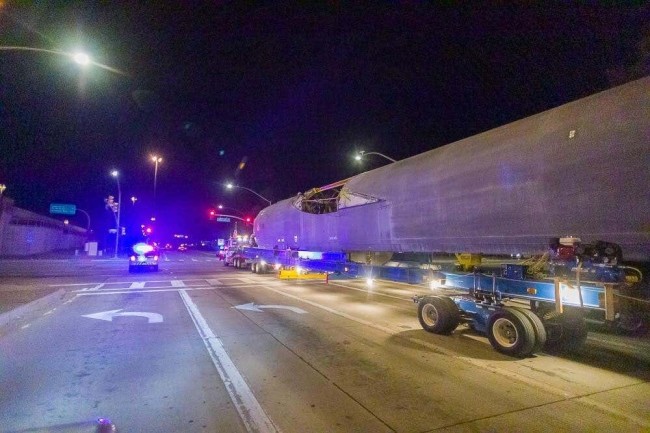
(510, 332)
(568, 333)
(435, 316)
(454, 313)
(538, 326)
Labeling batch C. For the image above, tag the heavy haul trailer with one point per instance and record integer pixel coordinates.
(520, 315)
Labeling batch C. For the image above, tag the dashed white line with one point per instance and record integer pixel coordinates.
(177, 283)
(137, 285)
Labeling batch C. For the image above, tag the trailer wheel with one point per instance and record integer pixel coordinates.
(566, 332)
(454, 312)
(511, 333)
(436, 316)
(538, 327)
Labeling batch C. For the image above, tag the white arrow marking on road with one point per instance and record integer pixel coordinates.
(258, 308)
(108, 315)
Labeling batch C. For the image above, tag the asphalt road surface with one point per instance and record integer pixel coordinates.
(199, 347)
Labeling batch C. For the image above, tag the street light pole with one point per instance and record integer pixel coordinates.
(116, 175)
(231, 186)
(361, 154)
(156, 159)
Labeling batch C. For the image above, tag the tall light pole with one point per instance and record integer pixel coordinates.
(231, 186)
(359, 156)
(156, 160)
(116, 175)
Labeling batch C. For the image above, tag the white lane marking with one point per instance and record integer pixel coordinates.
(137, 285)
(177, 283)
(72, 284)
(97, 287)
(374, 292)
(120, 282)
(108, 315)
(194, 260)
(258, 308)
(154, 290)
(250, 411)
(167, 259)
(214, 282)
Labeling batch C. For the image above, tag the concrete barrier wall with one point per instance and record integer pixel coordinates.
(23, 232)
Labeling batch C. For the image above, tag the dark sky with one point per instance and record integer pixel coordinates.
(292, 91)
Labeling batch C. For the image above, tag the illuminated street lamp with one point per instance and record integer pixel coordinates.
(2, 188)
(134, 199)
(81, 58)
(229, 185)
(221, 207)
(359, 156)
(116, 175)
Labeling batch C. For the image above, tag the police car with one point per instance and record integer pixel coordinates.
(144, 257)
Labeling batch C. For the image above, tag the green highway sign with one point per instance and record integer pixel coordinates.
(63, 209)
(223, 219)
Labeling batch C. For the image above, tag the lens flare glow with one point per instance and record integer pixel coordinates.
(142, 248)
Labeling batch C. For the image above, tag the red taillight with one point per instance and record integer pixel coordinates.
(155, 258)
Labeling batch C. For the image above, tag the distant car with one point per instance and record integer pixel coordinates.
(182, 247)
(144, 257)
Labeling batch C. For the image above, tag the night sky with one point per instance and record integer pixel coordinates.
(292, 92)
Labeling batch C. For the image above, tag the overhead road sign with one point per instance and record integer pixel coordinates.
(63, 209)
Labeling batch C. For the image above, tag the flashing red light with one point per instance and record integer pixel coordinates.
(248, 219)
(212, 213)
(148, 230)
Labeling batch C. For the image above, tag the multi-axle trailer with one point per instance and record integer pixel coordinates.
(520, 315)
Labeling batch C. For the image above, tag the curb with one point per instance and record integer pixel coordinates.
(24, 313)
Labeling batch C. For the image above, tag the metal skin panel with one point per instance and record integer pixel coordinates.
(582, 169)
